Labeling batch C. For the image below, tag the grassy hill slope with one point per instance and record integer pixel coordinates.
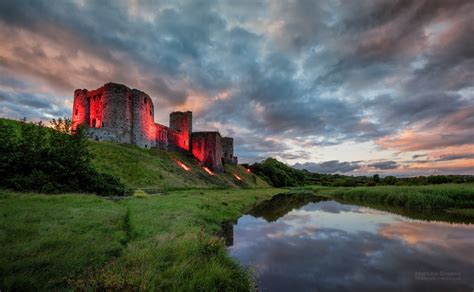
(156, 168)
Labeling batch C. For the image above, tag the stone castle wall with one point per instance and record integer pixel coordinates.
(119, 114)
(206, 147)
(182, 123)
(227, 144)
(143, 123)
(81, 109)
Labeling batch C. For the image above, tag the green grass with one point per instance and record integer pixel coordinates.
(156, 168)
(47, 238)
(163, 243)
(409, 197)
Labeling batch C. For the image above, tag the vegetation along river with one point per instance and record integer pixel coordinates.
(318, 244)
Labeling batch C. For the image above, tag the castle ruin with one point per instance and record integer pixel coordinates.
(119, 114)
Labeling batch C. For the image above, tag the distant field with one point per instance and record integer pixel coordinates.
(163, 243)
(411, 197)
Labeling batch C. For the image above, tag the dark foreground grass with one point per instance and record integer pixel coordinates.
(410, 197)
(164, 243)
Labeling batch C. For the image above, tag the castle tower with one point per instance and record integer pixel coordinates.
(183, 123)
(144, 128)
(111, 113)
(227, 144)
(206, 147)
(81, 109)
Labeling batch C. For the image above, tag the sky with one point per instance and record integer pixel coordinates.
(351, 87)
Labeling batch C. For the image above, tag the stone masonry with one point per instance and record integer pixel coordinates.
(119, 114)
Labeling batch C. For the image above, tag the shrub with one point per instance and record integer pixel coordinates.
(41, 159)
(140, 194)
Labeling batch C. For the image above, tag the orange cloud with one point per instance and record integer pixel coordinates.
(455, 238)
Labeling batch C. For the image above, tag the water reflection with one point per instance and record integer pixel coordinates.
(329, 246)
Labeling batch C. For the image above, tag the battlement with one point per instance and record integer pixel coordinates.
(116, 113)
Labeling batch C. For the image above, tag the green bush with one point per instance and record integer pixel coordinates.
(41, 159)
(278, 174)
(140, 194)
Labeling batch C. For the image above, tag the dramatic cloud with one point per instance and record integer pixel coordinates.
(384, 165)
(289, 79)
(332, 166)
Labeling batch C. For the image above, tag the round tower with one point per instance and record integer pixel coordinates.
(111, 107)
(80, 109)
(143, 124)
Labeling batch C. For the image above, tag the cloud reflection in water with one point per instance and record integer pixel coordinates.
(330, 246)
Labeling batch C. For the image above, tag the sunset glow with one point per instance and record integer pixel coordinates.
(333, 87)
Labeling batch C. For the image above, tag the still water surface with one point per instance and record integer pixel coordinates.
(329, 246)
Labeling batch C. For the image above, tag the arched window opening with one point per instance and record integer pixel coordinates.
(93, 123)
(77, 111)
(144, 100)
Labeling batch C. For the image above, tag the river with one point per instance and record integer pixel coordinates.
(318, 244)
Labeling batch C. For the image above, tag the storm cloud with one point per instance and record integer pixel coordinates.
(285, 78)
(332, 166)
(384, 165)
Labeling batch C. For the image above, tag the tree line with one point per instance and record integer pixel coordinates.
(278, 174)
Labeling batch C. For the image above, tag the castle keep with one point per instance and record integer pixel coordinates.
(119, 114)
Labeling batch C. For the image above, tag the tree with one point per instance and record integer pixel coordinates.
(41, 159)
(376, 178)
(390, 180)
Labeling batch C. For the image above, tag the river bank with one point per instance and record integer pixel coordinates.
(163, 242)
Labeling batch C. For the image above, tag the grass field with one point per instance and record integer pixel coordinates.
(445, 196)
(45, 238)
(159, 243)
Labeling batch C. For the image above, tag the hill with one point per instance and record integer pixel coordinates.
(155, 168)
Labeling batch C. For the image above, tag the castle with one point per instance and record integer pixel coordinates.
(119, 114)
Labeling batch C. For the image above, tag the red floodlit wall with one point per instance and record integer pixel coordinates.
(144, 128)
(206, 147)
(182, 123)
(80, 110)
(166, 138)
(96, 101)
